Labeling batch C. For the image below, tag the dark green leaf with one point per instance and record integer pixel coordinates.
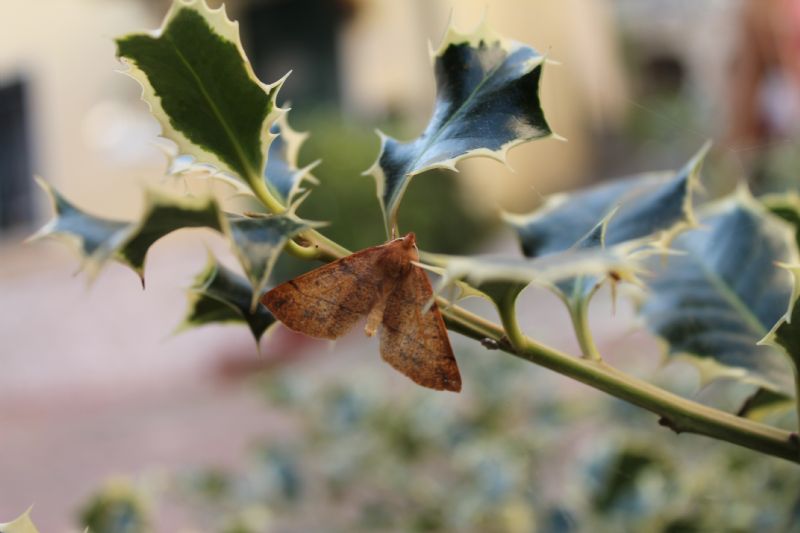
(163, 215)
(724, 293)
(257, 240)
(487, 101)
(786, 332)
(97, 238)
(202, 90)
(219, 295)
(764, 401)
(102, 239)
(623, 475)
(786, 206)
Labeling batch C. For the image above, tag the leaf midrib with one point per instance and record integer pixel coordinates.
(435, 137)
(214, 109)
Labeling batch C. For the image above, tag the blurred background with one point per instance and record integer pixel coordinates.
(108, 419)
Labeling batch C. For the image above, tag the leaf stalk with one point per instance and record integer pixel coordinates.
(579, 313)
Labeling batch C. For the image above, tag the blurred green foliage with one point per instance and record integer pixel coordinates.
(510, 455)
(116, 508)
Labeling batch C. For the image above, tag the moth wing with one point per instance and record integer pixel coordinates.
(416, 342)
(328, 301)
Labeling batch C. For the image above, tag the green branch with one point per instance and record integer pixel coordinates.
(677, 413)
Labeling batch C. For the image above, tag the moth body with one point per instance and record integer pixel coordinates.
(382, 284)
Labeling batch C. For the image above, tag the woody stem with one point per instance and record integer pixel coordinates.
(678, 413)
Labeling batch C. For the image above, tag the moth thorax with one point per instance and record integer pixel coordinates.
(396, 263)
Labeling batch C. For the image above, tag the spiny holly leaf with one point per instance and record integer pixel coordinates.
(487, 101)
(763, 402)
(97, 238)
(201, 88)
(654, 205)
(219, 295)
(499, 277)
(22, 524)
(256, 240)
(283, 177)
(162, 215)
(785, 333)
(722, 294)
(787, 206)
(102, 239)
(648, 209)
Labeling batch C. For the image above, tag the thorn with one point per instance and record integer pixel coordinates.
(615, 278)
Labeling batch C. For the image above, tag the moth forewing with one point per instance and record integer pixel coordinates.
(383, 284)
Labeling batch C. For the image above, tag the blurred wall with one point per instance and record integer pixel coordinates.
(90, 135)
(387, 70)
(94, 139)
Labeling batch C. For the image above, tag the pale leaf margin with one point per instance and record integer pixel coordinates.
(21, 524)
(708, 368)
(483, 32)
(220, 23)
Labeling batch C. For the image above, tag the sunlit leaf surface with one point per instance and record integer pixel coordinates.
(487, 101)
(201, 88)
(725, 291)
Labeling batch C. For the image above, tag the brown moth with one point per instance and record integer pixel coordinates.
(384, 285)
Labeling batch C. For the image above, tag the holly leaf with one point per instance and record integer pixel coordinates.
(200, 87)
(499, 278)
(763, 402)
(550, 269)
(487, 101)
(785, 334)
(100, 239)
(22, 524)
(162, 215)
(96, 238)
(282, 175)
(219, 295)
(257, 240)
(722, 295)
(786, 206)
(657, 206)
(647, 209)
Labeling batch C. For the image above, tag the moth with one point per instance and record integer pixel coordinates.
(382, 284)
